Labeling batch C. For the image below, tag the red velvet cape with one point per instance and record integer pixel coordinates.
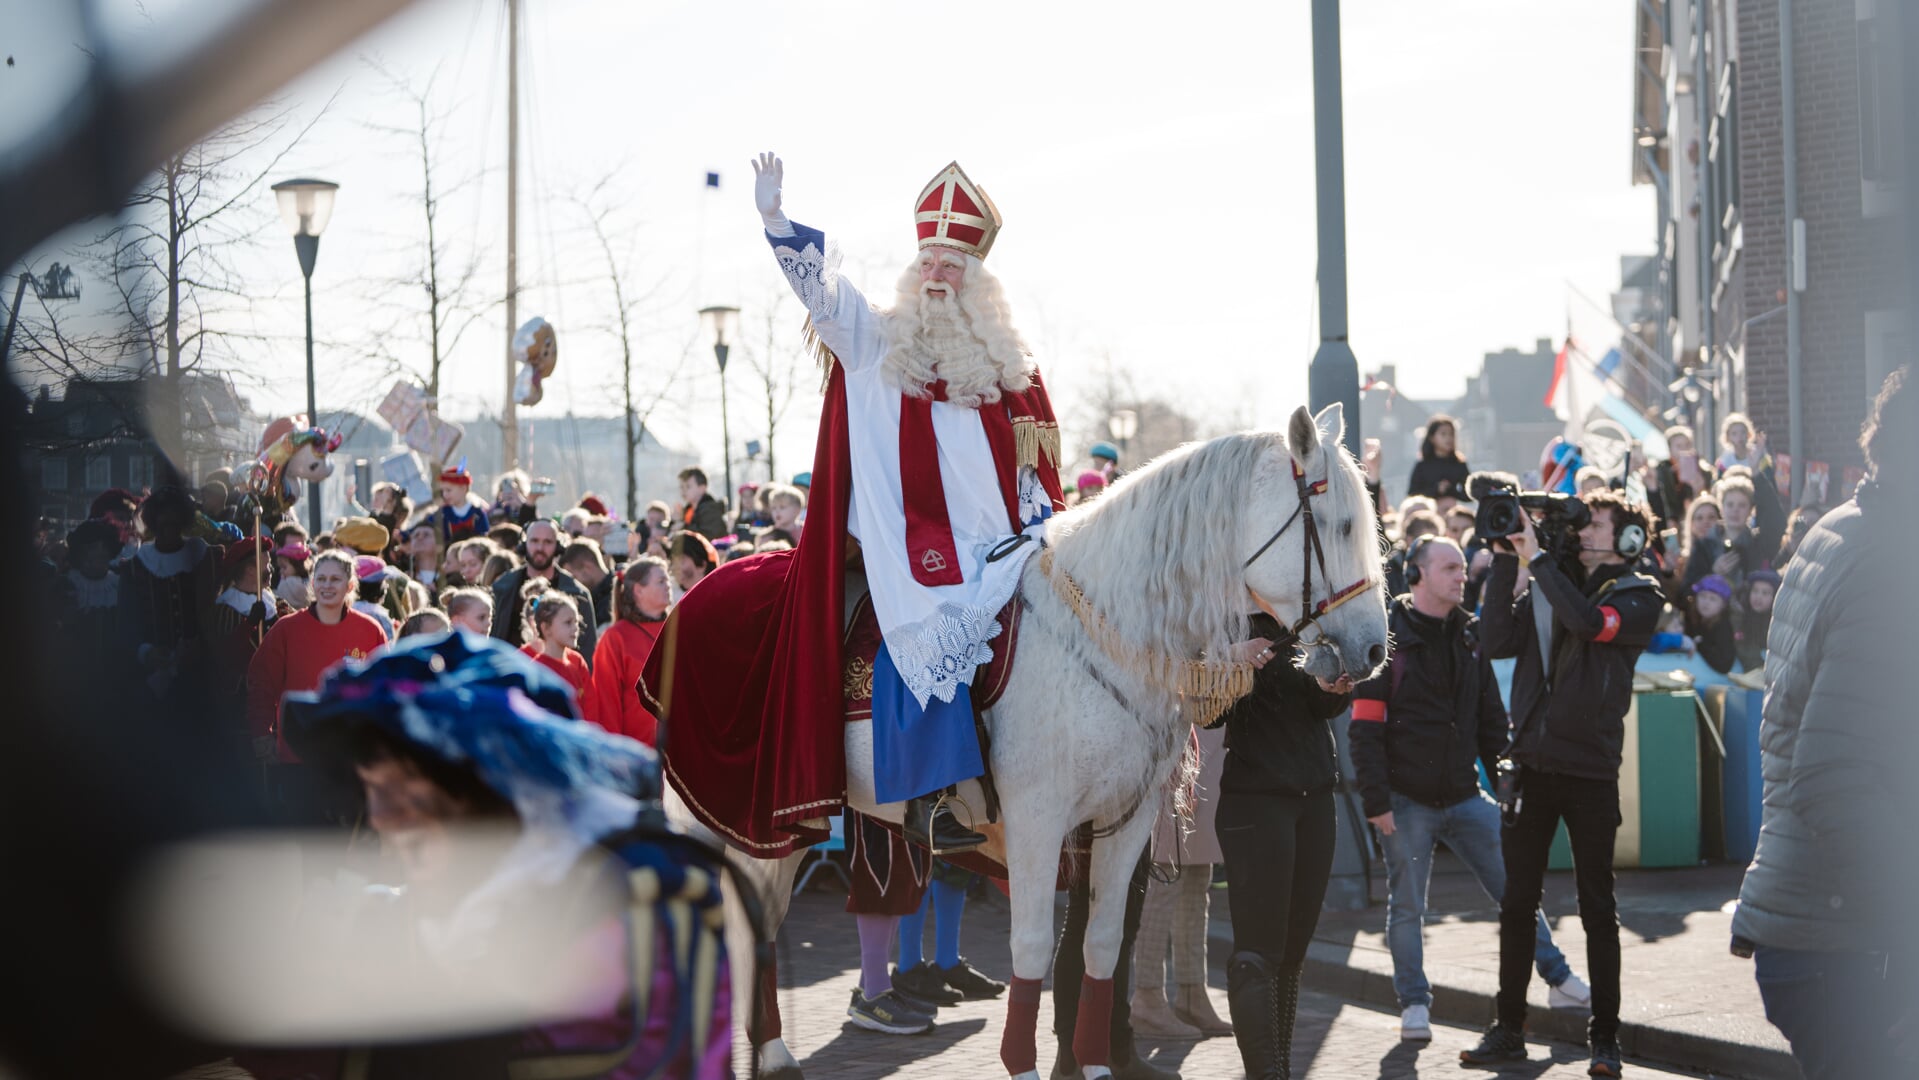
(747, 675)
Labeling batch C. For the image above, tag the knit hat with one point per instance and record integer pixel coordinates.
(362, 534)
(1103, 451)
(803, 480)
(1089, 479)
(1770, 577)
(295, 550)
(1713, 583)
(370, 568)
(592, 505)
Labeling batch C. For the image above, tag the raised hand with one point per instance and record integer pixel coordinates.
(769, 174)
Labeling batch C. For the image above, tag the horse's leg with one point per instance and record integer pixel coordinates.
(1033, 835)
(757, 991)
(1109, 876)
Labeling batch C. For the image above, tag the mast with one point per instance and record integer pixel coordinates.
(510, 414)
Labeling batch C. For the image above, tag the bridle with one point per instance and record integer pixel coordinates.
(1314, 551)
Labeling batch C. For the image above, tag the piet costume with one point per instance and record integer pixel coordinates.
(457, 523)
(945, 501)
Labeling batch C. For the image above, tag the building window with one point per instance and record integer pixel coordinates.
(53, 474)
(139, 472)
(1879, 161)
(99, 472)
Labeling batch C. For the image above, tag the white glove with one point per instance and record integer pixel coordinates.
(768, 174)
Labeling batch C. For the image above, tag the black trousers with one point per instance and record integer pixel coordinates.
(1069, 961)
(1590, 809)
(1279, 854)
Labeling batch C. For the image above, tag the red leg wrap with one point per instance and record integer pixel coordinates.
(766, 1005)
(1093, 1030)
(1017, 1049)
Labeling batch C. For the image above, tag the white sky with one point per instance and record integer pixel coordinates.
(1154, 165)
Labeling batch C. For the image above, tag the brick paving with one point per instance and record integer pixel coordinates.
(819, 962)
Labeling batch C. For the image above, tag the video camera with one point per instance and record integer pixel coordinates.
(1557, 517)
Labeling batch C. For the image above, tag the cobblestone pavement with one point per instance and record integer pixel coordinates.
(819, 967)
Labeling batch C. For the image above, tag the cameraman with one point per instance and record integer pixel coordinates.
(1575, 646)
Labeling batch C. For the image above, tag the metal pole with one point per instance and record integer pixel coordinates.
(1334, 375)
(1789, 145)
(313, 414)
(720, 349)
(510, 412)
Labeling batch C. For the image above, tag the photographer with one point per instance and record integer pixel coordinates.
(1575, 646)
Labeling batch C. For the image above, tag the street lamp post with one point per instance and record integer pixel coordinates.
(1334, 375)
(305, 207)
(1123, 425)
(722, 321)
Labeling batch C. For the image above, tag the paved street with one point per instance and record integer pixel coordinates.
(1335, 1039)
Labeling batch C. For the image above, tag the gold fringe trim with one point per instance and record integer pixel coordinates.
(1209, 687)
(1033, 437)
(823, 356)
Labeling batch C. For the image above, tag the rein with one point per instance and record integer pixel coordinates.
(1313, 550)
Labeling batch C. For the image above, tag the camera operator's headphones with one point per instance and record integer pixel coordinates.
(1629, 542)
(1413, 574)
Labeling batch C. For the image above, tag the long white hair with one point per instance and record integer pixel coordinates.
(978, 352)
(1175, 578)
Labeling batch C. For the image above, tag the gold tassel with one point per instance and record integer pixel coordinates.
(1026, 442)
(1049, 442)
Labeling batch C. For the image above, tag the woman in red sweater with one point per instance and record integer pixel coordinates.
(640, 599)
(552, 626)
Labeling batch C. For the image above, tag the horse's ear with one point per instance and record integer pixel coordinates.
(1302, 437)
(1331, 422)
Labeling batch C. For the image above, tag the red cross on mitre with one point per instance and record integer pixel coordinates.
(955, 212)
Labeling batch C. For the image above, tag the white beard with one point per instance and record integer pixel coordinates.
(940, 344)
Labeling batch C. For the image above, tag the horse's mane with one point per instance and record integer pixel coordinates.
(1158, 553)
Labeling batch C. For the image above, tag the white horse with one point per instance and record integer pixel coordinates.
(1132, 590)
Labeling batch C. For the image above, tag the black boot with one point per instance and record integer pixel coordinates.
(930, 821)
(1288, 1016)
(1253, 996)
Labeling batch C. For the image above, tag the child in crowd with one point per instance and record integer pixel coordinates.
(552, 628)
(469, 609)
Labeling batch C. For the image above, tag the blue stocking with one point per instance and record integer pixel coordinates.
(949, 903)
(912, 934)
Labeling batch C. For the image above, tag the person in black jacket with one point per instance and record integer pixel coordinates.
(1276, 829)
(1419, 729)
(1572, 686)
(1440, 473)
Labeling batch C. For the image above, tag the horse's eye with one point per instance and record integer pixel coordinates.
(1345, 528)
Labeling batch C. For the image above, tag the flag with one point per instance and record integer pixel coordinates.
(1608, 364)
(712, 179)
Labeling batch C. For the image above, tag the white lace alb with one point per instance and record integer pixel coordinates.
(815, 276)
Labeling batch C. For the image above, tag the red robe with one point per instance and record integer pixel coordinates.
(747, 676)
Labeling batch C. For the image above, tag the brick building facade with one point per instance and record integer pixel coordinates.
(1851, 329)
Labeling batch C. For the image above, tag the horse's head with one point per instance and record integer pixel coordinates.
(1317, 567)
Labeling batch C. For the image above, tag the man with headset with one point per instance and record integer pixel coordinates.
(1419, 729)
(1572, 687)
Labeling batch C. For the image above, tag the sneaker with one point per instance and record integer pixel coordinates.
(971, 983)
(1416, 1023)
(922, 985)
(888, 1014)
(1500, 1043)
(1605, 1060)
(1571, 994)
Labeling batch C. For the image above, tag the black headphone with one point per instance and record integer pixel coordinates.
(1412, 559)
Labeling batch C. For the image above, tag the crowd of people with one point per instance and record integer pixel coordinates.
(178, 602)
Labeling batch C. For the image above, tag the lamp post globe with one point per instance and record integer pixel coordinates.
(305, 208)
